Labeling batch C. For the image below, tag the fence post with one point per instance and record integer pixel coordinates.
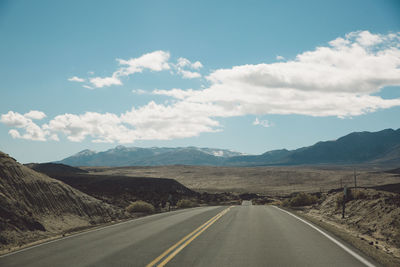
(344, 200)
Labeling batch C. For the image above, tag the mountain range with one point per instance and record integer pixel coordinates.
(136, 156)
(381, 147)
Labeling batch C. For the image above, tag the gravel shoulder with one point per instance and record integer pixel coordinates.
(371, 223)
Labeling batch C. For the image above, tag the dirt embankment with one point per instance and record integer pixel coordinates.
(35, 206)
(371, 222)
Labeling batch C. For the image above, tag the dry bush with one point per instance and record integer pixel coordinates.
(358, 194)
(351, 195)
(186, 203)
(140, 206)
(301, 199)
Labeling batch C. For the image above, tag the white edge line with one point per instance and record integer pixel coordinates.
(95, 230)
(351, 252)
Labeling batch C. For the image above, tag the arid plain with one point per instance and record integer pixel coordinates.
(262, 180)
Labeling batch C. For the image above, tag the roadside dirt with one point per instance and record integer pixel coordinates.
(371, 223)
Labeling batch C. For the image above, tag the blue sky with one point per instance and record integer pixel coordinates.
(250, 76)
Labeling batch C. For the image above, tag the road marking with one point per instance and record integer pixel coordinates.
(351, 252)
(90, 231)
(181, 244)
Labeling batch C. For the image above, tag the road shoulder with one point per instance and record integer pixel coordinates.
(341, 233)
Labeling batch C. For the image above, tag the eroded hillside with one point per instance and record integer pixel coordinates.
(33, 205)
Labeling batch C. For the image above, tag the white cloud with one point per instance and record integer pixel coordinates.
(35, 114)
(87, 87)
(279, 57)
(15, 119)
(54, 137)
(336, 80)
(155, 61)
(150, 122)
(14, 134)
(340, 79)
(99, 82)
(339, 42)
(76, 79)
(101, 127)
(184, 62)
(139, 91)
(32, 130)
(197, 65)
(182, 66)
(175, 93)
(189, 74)
(366, 38)
(263, 123)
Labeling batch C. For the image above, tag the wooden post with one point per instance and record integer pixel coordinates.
(344, 200)
(355, 179)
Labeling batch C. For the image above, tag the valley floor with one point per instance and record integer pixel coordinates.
(262, 180)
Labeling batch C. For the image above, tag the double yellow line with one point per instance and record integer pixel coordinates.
(167, 255)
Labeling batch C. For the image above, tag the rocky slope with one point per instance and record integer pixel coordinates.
(33, 205)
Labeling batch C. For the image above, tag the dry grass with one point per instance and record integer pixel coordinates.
(186, 203)
(140, 206)
(301, 199)
(263, 180)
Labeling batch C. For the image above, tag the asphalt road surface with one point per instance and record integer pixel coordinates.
(210, 236)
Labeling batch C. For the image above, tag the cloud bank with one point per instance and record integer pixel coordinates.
(339, 79)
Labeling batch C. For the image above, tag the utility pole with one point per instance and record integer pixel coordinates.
(341, 183)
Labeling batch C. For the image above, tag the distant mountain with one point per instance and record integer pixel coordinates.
(270, 158)
(136, 156)
(358, 147)
(381, 147)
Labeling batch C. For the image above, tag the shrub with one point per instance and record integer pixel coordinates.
(286, 203)
(359, 194)
(140, 206)
(301, 199)
(185, 203)
(351, 195)
(339, 200)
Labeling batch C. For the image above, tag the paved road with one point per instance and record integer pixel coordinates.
(211, 236)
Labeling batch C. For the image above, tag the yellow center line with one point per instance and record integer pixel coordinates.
(186, 240)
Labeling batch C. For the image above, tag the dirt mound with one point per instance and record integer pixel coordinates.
(33, 205)
(122, 190)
